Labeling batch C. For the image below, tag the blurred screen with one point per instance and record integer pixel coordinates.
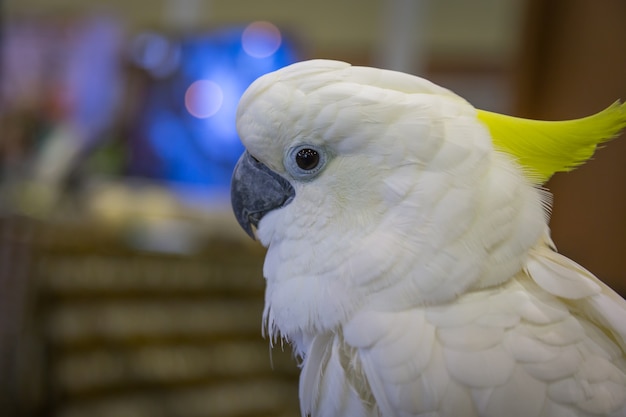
(185, 131)
(81, 98)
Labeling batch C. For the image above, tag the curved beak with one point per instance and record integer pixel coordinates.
(256, 190)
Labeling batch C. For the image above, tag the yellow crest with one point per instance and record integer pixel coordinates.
(543, 148)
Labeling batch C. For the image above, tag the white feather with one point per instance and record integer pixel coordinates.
(513, 399)
(525, 348)
(563, 365)
(480, 369)
(471, 337)
(560, 276)
(310, 377)
(608, 311)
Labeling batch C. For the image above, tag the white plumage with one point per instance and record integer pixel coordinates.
(414, 274)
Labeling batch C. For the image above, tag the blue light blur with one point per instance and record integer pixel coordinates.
(186, 129)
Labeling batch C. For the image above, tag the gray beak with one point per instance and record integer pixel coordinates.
(255, 190)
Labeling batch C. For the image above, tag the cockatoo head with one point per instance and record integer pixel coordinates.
(375, 187)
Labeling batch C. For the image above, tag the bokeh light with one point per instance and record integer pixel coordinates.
(204, 98)
(155, 53)
(261, 39)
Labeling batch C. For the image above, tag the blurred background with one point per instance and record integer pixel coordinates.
(126, 287)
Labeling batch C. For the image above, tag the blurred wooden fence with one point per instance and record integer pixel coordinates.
(92, 328)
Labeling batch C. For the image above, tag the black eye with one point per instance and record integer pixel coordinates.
(307, 159)
(304, 162)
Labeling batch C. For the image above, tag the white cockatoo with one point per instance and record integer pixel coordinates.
(409, 258)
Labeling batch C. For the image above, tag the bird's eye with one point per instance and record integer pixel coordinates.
(307, 158)
(304, 162)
